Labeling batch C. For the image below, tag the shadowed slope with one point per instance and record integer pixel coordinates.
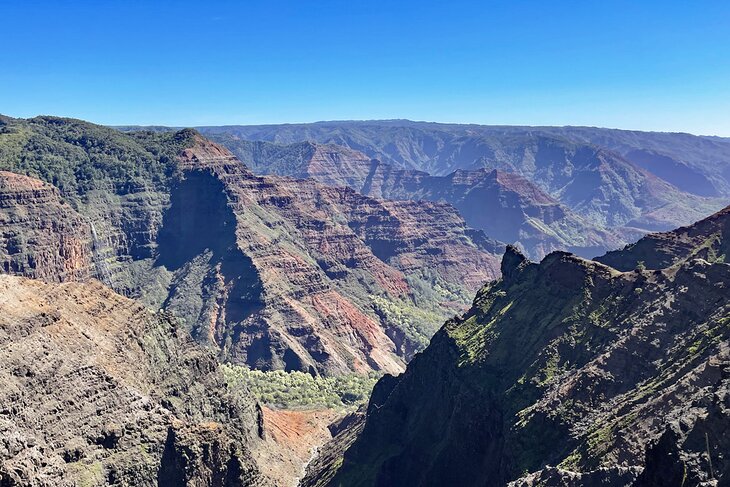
(618, 376)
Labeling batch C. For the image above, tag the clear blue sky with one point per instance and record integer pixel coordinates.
(655, 65)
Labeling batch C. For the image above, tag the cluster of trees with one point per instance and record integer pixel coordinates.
(78, 157)
(293, 390)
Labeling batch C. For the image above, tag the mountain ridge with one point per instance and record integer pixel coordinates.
(685, 148)
(619, 375)
(509, 208)
(587, 175)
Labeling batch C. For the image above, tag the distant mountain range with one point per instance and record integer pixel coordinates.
(695, 164)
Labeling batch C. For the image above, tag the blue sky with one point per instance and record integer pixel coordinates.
(634, 64)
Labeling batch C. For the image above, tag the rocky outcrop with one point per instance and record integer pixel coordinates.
(41, 236)
(566, 372)
(95, 390)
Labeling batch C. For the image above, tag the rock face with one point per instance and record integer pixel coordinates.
(566, 372)
(41, 236)
(708, 239)
(97, 390)
(505, 206)
(275, 272)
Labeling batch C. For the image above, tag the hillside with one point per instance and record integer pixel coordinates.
(621, 379)
(275, 272)
(95, 389)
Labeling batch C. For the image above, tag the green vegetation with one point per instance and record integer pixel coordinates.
(418, 324)
(299, 390)
(78, 157)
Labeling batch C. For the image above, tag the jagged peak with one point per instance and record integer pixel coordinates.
(512, 262)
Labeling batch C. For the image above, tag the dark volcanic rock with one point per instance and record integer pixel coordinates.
(512, 263)
(556, 477)
(568, 372)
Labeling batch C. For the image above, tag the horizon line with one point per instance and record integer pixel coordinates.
(371, 120)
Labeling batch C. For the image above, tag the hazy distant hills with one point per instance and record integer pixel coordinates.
(700, 165)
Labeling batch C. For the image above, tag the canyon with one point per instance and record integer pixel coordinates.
(276, 273)
(541, 189)
(140, 267)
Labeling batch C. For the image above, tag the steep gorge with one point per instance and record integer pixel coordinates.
(274, 272)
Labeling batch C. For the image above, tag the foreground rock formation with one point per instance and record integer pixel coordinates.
(568, 372)
(95, 390)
